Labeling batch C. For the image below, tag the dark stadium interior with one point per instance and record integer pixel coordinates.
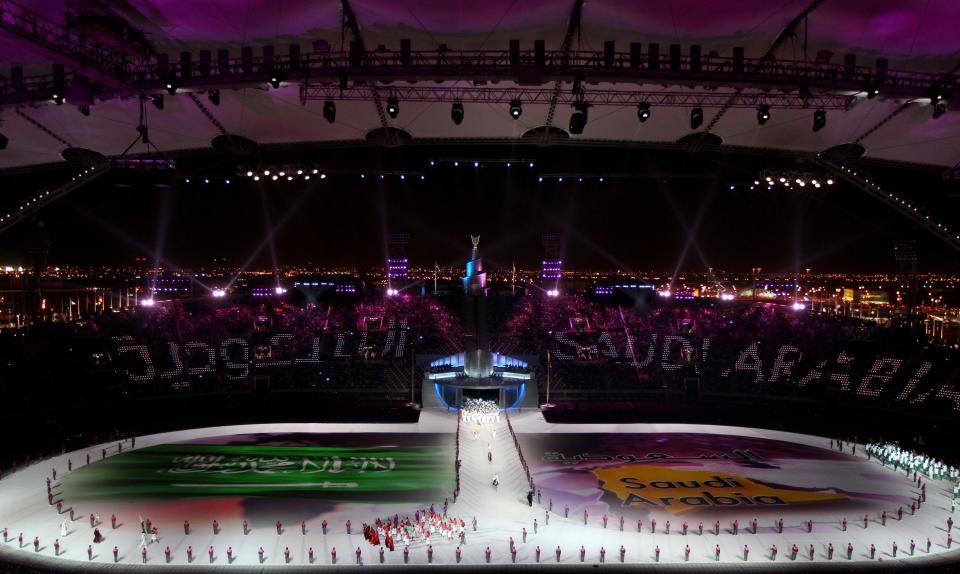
(717, 213)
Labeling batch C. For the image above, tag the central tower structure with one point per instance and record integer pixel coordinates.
(475, 280)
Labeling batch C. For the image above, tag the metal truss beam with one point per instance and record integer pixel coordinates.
(101, 63)
(573, 26)
(350, 20)
(545, 95)
(903, 205)
(490, 66)
(15, 214)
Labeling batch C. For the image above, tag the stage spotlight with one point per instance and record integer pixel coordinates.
(456, 113)
(393, 106)
(84, 109)
(872, 91)
(578, 119)
(56, 94)
(939, 109)
(643, 111)
(330, 111)
(763, 114)
(275, 80)
(696, 118)
(171, 86)
(214, 97)
(157, 101)
(819, 120)
(516, 109)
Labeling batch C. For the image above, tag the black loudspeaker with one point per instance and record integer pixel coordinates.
(163, 65)
(696, 61)
(205, 63)
(405, 58)
(539, 54)
(246, 59)
(293, 55)
(674, 57)
(16, 78)
(849, 66)
(881, 71)
(223, 61)
(268, 59)
(738, 60)
(636, 54)
(608, 47)
(186, 65)
(356, 53)
(514, 53)
(653, 56)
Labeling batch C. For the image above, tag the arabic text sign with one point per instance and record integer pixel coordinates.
(412, 467)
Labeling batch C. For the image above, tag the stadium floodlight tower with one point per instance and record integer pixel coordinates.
(552, 264)
(397, 262)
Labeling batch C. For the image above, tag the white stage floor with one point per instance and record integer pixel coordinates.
(818, 483)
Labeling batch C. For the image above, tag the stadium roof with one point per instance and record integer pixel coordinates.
(914, 35)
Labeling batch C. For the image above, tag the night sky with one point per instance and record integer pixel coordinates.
(631, 223)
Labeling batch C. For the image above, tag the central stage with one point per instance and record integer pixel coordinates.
(645, 475)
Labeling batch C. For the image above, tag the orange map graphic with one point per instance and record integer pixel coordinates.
(680, 491)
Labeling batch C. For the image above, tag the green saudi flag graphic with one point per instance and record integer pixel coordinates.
(356, 473)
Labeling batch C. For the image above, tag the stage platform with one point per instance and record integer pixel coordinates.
(310, 473)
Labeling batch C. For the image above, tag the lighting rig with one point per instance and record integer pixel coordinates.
(899, 202)
(771, 178)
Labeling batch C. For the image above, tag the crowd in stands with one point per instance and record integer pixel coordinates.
(819, 341)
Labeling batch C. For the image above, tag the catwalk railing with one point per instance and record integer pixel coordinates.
(530, 68)
(456, 459)
(516, 444)
(596, 96)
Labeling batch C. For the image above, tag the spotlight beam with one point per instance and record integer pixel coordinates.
(142, 248)
(266, 240)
